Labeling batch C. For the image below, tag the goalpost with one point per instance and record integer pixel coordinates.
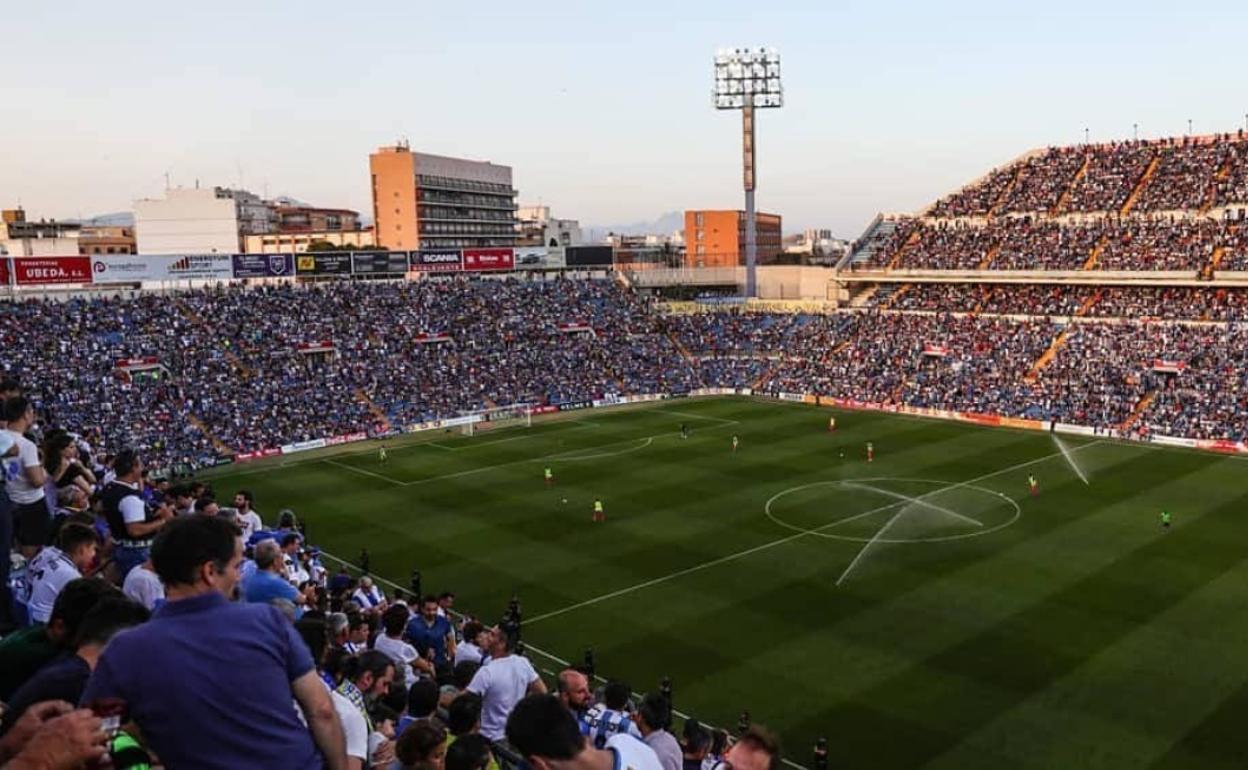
(498, 418)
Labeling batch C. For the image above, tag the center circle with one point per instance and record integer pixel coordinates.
(933, 510)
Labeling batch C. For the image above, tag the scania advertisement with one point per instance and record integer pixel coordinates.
(436, 260)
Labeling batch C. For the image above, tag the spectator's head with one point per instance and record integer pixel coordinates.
(358, 628)
(72, 605)
(196, 555)
(497, 643)
(285, 519)
(339, 628)
(472, 632)
(757, 749)
(545, 733)
(696, 740)
(422, 744)
(394, 620)
(315, 634)
(372, 672)
(615, 695)
(574, 691)
(19, 413)
(429, 607)
(422, 698)
(182, 497)
(268, 556)
(9, 388)
(243, 500)
(383, 718)
(207, 505)
(110, 615)
(654, 713)
(128, 466)
(464, 714)
(471, 752)
(72, 498)
(446, 600)
(462, 674)
(79, 543)
(290, 543)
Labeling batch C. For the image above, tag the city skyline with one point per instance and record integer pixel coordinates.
(604, 113)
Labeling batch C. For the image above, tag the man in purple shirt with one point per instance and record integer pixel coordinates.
(210, 683)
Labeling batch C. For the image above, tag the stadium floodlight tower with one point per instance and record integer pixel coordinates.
(746, 79)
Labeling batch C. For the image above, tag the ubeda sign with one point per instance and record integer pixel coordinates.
(36, 271)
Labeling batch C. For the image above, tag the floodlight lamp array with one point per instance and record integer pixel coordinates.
(747, 77)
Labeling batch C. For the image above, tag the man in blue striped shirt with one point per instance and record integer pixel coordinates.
(611, 717)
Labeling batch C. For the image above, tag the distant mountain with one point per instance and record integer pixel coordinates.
(664, 225)
(118, 219)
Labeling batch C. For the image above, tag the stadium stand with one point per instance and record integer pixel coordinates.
(194, 378)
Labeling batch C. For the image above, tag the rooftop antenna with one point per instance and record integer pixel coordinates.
(166, 180)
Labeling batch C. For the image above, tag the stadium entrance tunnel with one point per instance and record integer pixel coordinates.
(907, 510)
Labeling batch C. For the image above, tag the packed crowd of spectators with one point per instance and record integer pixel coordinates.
(1022, 243)
(1191, 174)
(155, 627)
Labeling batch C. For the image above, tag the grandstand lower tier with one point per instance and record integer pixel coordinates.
(198, 377)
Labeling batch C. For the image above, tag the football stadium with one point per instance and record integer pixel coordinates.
(460, 485)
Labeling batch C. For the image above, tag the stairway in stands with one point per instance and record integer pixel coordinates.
(222, 448)
(1139, 186)
(1047, 356)
(378, 413)
(870, 240)
(1138, 411)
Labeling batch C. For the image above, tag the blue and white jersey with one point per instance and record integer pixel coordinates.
(600, 723)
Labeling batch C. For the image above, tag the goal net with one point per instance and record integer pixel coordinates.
(498, 418)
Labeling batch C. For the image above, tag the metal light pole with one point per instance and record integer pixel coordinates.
(745, 79)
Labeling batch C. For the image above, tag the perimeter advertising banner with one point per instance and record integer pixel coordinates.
(4, 272)
(540, 258)
(263, 265)
(129, 269)
(196, 267)
(379, 262)
(36, 271)
(324, 263)
(489, 259)
(436, 261)
(589, 256)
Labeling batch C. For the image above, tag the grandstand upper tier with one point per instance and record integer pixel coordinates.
(1176, 174)
(1169, 206)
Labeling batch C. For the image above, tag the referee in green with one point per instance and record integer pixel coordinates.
(1165, 520)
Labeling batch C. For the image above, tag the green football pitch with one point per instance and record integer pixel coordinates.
(921, 610)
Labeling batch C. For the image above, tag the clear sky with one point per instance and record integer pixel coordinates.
(602, 108)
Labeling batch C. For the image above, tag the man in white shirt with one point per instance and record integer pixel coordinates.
(24, 478)
(503, 683)
(132, 523)
(55, 566)
(407, 662)
(144, 586)
(470, 649)
(247, 519)
(546, 735)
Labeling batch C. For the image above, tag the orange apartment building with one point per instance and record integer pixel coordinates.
(423, 201)
(717, 238)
